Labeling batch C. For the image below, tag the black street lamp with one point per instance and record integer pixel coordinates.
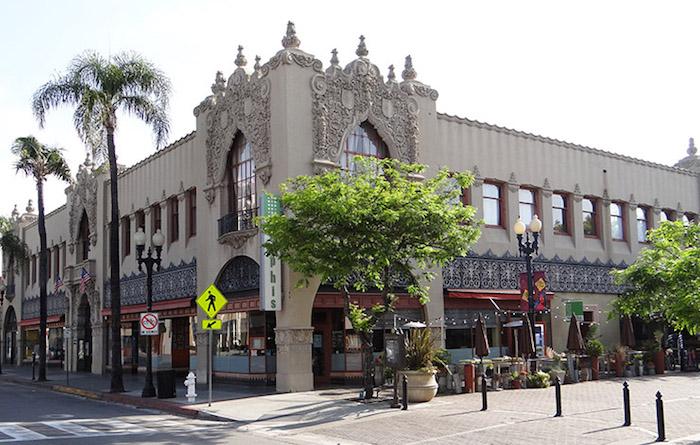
(527, 248)
(158, 239)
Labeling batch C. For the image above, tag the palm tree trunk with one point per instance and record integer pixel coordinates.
(42, 281)
(117, 384)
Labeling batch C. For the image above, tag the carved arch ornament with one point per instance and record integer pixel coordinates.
(242, 105)
(343, 99)
(83, 196)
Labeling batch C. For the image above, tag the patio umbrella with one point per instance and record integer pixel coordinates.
(527, 345)
(627, 332)
(575, 340)
(413, 325)
(482, 343)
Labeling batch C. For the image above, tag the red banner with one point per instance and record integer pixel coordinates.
(539, 284)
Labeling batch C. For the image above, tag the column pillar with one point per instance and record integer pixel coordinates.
(294, 371)
(98, 350)
(545, 215)
(435, 309)
(576, 218)
(512, 207)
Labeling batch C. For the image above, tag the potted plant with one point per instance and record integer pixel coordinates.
(515, 380)
(629, 369)
(557, 368)
(594, 349)
(538, 379)
(444, 372)
(422, 363)
(659, 353)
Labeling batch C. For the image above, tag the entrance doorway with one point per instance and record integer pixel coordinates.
(84, 336)
(181, 343)
(328, 343)
(10, 340)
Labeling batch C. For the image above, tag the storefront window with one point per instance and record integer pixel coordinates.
(55, 344)
(233, 336)
(30, 343)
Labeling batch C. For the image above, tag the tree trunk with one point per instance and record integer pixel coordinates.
(117, 384)
(368, 365)
(42, 281)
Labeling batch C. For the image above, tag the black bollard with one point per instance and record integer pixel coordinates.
(395, 400)
(626, 402)
(660, 425)
(404, 396)
(557, 395)
(484, 403)
(33, 364)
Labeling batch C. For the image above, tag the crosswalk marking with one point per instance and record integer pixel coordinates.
(77, 428)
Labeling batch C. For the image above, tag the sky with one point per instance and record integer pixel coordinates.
(620, 76)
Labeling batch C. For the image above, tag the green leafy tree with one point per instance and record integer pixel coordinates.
(40, 161)
(378, 228)
(98, 88)
(664, 281)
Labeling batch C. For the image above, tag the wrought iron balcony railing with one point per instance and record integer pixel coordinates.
(237, 221)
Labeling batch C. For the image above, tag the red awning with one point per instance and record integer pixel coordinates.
(35, 321)
(480, 294)
(157, 306)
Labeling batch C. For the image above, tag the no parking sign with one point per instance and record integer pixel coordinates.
(149, 323)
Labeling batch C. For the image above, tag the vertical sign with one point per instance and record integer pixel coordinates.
(270, 267)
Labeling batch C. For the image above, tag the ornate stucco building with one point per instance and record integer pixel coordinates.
(294, 115)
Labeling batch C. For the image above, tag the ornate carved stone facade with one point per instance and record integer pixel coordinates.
(82, 195)
(243, 104)
(172, 282)
(492, 272)
(344, 98)
(293, 340)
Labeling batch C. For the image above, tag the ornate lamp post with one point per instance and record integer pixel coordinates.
(149, 261)
(527, 248)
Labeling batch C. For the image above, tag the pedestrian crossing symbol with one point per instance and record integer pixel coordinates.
(212, 301)
(213, 324)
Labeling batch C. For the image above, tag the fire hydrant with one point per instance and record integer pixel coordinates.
(190, 383)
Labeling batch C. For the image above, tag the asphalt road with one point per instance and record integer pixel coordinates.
(29, 414)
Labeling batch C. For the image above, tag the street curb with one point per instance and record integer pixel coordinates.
(157, 404)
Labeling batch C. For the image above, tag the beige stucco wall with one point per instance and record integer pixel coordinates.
(599, 304)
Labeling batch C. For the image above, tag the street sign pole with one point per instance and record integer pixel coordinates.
(211, 353)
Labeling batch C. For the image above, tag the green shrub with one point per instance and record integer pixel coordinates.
(538, 380)
(594, 347)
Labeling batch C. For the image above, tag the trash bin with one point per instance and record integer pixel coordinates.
(165, 383)
(469, 379)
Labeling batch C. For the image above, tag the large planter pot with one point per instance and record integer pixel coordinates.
(659, 359)
(619, 365)
(595, 368)
(515, 384)
(554, 373)
(422, 386)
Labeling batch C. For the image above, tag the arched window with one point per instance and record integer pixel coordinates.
(241, 179)
(362, 141)
(83, 238)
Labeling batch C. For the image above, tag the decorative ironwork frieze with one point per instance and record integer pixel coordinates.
(169, 283)
(56, 305)
(489, 271)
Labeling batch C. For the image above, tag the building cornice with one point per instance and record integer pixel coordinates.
(559, 143)
(188, 137)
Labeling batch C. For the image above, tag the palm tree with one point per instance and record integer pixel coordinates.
(40, 161)
(98, 88)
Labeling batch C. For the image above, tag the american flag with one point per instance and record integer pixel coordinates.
(84, 279)
(59, 284)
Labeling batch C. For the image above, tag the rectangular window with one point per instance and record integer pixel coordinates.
(642, 224)
(588, 206)
(173, 219)
(493, 205)
(140, 220)
(527, 206)
(559, 213)
(48, 263)
(33, 269)
(155, 218)
(617, 221)
(57, 261)
(126, 236)
(191, 212)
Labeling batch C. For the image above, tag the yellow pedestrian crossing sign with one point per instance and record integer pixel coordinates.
(212, 301)
(211, 324)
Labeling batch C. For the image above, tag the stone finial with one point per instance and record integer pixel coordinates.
(15, 213)
(290, 39)
(408, 72)
(88, 162)
(577, 189)
(30, 207)
(512, 178)
(240, 58)
(334, 57)
(606, 195)
(546, 184)
(256, 67)
(633, 201)
(391, 76)
(692, 151)
(656, 203)
(361, 50)
(476, 172)
(219, 84)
